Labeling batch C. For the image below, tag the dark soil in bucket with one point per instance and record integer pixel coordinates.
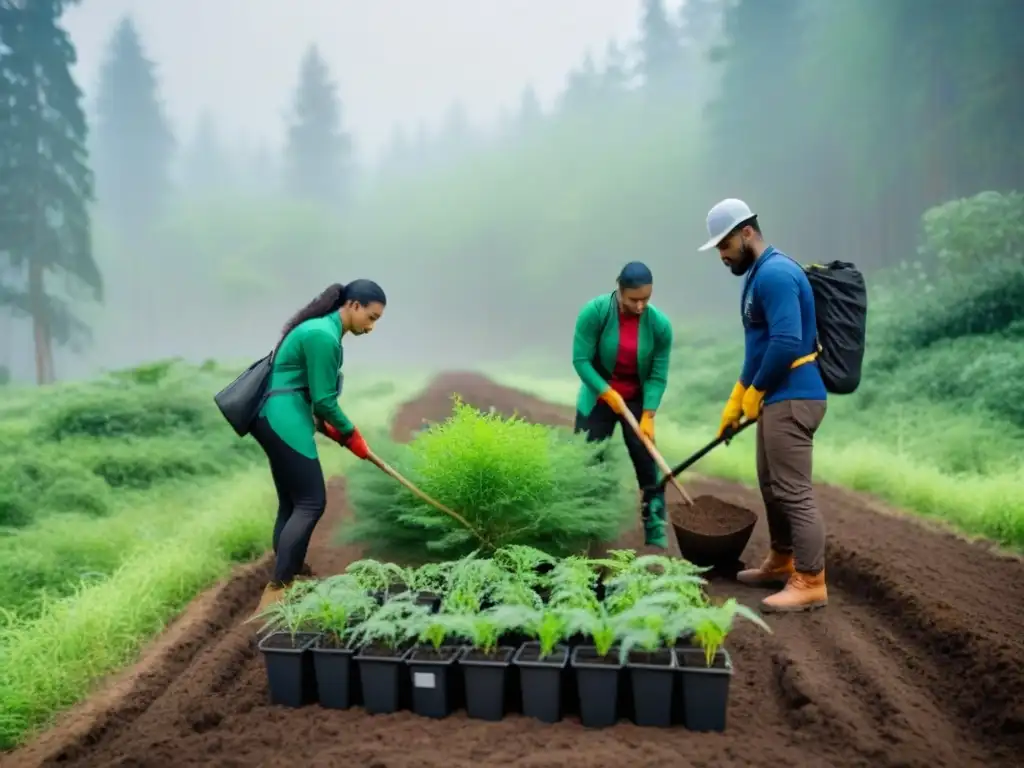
(917, 662)
(710, 516)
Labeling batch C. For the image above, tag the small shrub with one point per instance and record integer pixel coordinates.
(513, 482)
(129, 411)
(33, 482)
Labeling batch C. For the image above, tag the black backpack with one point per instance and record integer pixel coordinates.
(841, 309)
(241, 400)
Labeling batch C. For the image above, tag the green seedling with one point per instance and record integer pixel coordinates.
(511, 591)
(688, 588)
(711, 625)
(572, 583)
(472, 580)
(545, 625)
(625, 590)
(482, 630)
(391, 625)
(339, 602)
(434, 628)
(374, 576)
(522, 561)
(432, 577)
(293, 613)
(649, 625)
(599, 624)
(617, 561)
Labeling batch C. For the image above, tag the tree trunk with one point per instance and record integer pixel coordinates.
(40, 324)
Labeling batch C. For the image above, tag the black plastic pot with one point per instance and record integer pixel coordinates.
(381, 595)
(290, 674)
(652, 675)
(486, 677)
(541, 681)
(335, 673)
(597, 681)
(704, 691)
(381, 671)
(429, 599)
(433, 679)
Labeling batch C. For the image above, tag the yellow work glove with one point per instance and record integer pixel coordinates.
(733, 409)
(614, 400)
(752, 402)
(647, 425)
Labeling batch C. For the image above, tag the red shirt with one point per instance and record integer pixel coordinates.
(626, 377)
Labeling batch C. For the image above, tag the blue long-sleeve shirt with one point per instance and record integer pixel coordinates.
(779, 327)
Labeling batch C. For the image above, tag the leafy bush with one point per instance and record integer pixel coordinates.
(970, 280)
(124, 410)
(512, 481)
(32, 482)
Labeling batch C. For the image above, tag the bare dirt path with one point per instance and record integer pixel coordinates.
(917, 661)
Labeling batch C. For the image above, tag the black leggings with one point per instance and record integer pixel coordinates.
(600, 425)
(301, 500)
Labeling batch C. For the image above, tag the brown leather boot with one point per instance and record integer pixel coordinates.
(803, 592)
(773, 572)
(272, 593)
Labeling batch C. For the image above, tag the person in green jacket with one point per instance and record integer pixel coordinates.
(305, 383)
(620, 351)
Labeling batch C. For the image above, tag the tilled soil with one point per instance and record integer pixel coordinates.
(918, 660)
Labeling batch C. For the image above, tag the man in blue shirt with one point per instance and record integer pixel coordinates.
(780, 386)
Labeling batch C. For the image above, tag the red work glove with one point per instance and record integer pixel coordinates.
(331, 432)
(355, 443)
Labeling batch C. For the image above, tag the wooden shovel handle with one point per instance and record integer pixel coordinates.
(394, 473)
(656, 455)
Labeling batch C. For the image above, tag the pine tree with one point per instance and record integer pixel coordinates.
(206, 165)
(134, 144)
(617, 74)
(45, 180)
(660, 52)
(583, 87)
(318, 155)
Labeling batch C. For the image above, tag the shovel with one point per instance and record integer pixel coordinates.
(726, 436)
(394, 473)
(658, 458)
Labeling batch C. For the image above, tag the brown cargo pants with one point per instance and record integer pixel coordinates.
(785, 448)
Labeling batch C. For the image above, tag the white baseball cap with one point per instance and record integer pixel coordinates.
(723, 218)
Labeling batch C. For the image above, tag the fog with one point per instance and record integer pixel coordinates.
(493, 164)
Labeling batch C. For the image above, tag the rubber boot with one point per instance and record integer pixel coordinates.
(773, 572)
(803, 592)
(305, 573)
(654, 523)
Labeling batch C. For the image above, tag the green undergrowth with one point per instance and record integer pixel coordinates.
(507, 480)
(81, 594)
(51, 660)
(620, 603)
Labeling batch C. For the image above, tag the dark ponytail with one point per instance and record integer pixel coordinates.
(334, 298)
(331, 300)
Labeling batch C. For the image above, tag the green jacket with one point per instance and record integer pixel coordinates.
(654, 347)
(309, 358)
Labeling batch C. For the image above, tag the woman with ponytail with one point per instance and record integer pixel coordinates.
(303, 399)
